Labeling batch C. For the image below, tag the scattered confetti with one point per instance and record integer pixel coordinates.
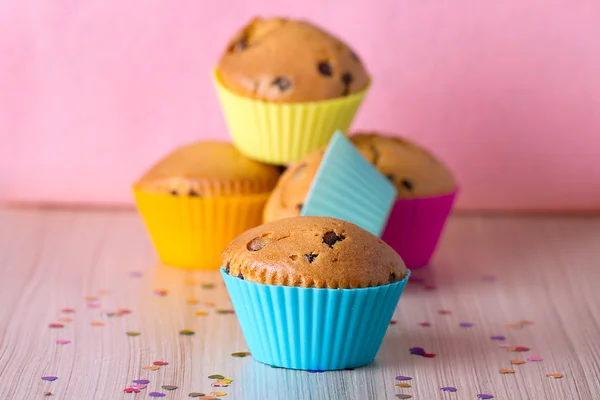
(68, 310)
(55, 325)
(63, 341)
(207, 285)
(152, 368)
(219, 394)
(97, 323)
(555, 376)
(517, 362)
(484, 396)
(425, 324)
(131, 333)
(518, 348)
(160, 363)
(141, 381)
(201, 313)
(94, 305)
(393, 322)
(65, 319)
(241, 354)
(535, 358)
(160, 292)
(186, 332)
(49, 378)
(498, 337)
(466, 324)
(196, 394)
(136, 274)
(403, 385)
(404, 396)
(131, 390)
(225, 311)
(156, 394)
(193, 300)
(448, 389)
(403, 378)
(507, 371)
(444, 312)
(169, 387)
(217, 376)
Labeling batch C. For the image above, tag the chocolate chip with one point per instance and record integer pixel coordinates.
(407, 184)
(240, 276)
(174, 192)
(325, 68)
(346, 80)
(282, 83)
(256, 244)
(193, 193)
(228, 267)
(281, 168)
(392, 278)
(299, 206)
(310, 257)
(330, 238)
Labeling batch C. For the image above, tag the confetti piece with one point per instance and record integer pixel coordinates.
(169, 387)
(47, 394)
(225, 381)
(68, 310)
(91, 298)
(104, 291)
(65, 319)
(417, 351)
(138, 386)
(425, 324)
(209, 304)
(152, 368)
(49, 378)
(403, 396)
(518, 348)
(225, 311)
(444, 312)
(141, 381)
(505, 345)
(190, 281)
(393, 322)
(94, 305)
(122, 311)
(105, 315)
(219, 385)
(498, 337)
(403, 385)
(63, 341)
(160, 363)
(186, 332)
(207, 285)
(55, 325)
(132, 333)
(136, 274)
(193, 300)
(448, 389)
(196, 394)
(156, 394)
(517, 362)
(131, 390)
(219, 394)
(217, 376)
(484, 396)
(514, 326)
(555, 376)
(208, 398)
(403, 378)
(429, 355)
(241, 354)
(525, 322)
(507, 371)
(160, 292)
(201, 313)
(466, 324)
(535, 358)
(97, 323)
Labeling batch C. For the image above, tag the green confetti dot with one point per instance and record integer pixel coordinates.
(216, 377)
(240, 354)
(133, 334)
(186, 332)
(169, 387)
(196, 394)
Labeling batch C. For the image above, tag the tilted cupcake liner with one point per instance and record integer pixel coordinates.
(346, 186)
(313, 329)
(191, 232)
(280, 133)
(415, 226)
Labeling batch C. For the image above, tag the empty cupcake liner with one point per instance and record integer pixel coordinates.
(191, 232)
(415, 226)
(348, 187)
(280, 133)
(313, 329)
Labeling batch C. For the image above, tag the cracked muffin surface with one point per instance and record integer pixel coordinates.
(319, 252)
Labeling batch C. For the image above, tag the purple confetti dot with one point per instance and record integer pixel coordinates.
(156, 394)
(62, 341)
(448, 389)
(141, 381)
(403, 378)
(417, 350)
(49, 378)
(498, 337)
(466, 324)
(484, 396)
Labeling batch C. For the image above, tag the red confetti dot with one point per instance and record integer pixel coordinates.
(56, 325)
(131, 390)
(426, 324)
(68, 310)
(393, 322)
(429, 355)
(160, 363)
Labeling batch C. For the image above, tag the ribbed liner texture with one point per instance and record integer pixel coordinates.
(348, 187)
(191, 232)
(280, 133)
(313, 329)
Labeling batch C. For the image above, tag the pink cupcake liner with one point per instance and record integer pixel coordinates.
(415, 226)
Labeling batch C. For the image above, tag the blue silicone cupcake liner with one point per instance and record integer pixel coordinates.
(348, 187)
(313, 329)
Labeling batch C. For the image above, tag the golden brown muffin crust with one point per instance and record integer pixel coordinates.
(318, 252)
(414, 171)
(284, 60)
(208, 169)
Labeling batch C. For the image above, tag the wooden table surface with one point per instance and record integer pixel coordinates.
(490, 271)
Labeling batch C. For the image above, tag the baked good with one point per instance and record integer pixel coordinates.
(285, 60)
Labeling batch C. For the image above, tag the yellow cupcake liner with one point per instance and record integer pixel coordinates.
(280, 133)
(191, 232)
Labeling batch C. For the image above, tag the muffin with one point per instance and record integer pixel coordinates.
(198, 198)
(426, 192)
(313, 293)
(285, 86)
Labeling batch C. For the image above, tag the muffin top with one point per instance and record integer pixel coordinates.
(284, 60)
(208, 169)
(318, 252)
(414, 171)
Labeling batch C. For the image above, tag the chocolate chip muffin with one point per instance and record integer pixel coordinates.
(415, 172)
(285, 60)
(317, 252)
(208, 169)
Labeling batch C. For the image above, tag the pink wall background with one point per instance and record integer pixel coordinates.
(506, 92)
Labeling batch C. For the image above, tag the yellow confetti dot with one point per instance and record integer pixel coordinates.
(97, 323)
(225, 381)
(65, 319)
(219, 394)
(555, 376)
(192, 300)
(201, 313)
(91, 298)
(403, 385)
(517, 362)
(507, 371)
(190, 281)
(152, 367)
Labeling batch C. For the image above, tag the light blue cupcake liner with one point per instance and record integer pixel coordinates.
(348, 187)
(313, 329)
